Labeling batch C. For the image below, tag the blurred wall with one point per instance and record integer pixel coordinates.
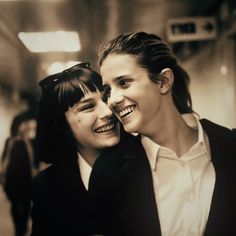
(213, 73)
(213, 82)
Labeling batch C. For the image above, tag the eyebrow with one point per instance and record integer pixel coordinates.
(86, 100)
(121, 77)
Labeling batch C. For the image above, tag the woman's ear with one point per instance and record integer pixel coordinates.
(167, 80)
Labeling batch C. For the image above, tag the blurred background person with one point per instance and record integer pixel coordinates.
(8, 143)
(19, 168)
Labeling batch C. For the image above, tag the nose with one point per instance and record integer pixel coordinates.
(115, 98)
(104, 111)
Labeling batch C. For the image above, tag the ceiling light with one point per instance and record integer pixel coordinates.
(223, 70)
(59, 41)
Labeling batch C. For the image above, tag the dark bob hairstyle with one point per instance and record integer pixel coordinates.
(54, 139)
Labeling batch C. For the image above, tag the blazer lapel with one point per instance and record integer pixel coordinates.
(141, 209)
(121, 189)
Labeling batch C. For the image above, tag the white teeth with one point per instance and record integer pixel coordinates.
(126, 111)
(105, 128)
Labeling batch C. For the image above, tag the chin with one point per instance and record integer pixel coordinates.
(114, 141)
(111, 142)
(131, 128)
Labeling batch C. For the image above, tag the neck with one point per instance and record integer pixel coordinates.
(89, 155)
(168, 129)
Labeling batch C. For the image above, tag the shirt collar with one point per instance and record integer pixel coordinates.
(85, 170)
(192, 120)
(153, 148)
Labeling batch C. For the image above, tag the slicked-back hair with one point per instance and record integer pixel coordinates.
(54, 139)
(153, 54)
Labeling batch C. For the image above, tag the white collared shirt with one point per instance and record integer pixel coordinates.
(183, 185)
(85, 170)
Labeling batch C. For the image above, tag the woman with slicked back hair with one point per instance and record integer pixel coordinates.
(183, 181)
(153, 54)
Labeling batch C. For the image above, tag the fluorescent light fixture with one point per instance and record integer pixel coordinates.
(59, 41)
(223, 70)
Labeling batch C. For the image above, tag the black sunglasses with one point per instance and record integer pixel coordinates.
(51, 80)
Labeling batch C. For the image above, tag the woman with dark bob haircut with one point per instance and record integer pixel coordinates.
(74, 127)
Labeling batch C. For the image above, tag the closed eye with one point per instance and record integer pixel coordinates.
(88, 107)
(124, 83)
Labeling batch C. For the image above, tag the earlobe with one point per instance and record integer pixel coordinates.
(168, 80)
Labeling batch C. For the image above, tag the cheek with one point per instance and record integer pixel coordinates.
(74, 123)
(148, 103)
(87, 121)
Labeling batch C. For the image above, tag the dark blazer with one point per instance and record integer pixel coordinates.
(18, 176)
(60, 201)
(123, 196)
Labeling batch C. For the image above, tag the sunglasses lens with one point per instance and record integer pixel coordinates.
(52, 79)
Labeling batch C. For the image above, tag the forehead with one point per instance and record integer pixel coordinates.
(91, 95)
(116, 65)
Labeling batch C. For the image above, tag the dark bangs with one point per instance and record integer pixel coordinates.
(74, 87)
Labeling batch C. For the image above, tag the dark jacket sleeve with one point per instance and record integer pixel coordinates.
(39, 220)
(18, 176)
(42, 216)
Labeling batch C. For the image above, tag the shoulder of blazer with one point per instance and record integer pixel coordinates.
(54, 175)
(222, 140)
(216, 131)
(116, 162)
(42, 181)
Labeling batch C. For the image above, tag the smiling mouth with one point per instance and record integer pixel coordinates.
(126, 111)
(105, 128)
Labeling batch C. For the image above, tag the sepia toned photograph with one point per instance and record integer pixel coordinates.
(117, 117)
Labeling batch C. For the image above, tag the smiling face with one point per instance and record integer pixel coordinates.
(92, 123)
(135, 99)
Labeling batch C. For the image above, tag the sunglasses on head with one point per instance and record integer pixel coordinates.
(52, 79)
